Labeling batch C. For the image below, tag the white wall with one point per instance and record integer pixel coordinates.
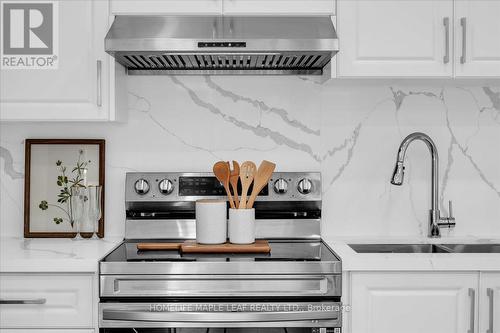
(349, 131)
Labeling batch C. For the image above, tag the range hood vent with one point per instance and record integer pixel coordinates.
(199, 45)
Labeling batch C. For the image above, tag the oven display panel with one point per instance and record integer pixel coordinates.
(207, 186)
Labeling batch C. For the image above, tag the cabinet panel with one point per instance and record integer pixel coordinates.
(62, 300)
(489, 303)
(480, 21)
(412, 302)
(279, 7)
(394, 38)
(79, 87)
(44, 331)
(158, 7)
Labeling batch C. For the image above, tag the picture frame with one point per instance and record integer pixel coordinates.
(52, 167)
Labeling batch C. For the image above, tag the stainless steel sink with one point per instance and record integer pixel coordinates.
(398, 248)
(426, 248)
(472, 248)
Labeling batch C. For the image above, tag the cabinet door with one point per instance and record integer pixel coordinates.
(44, 331)
(390, 38)
(477, 41)
(279, 7)
(159, 7)
(46, 301)
(489, 303)
(413, 302)
(79, 88)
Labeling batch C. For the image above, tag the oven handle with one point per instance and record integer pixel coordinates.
(220, 317)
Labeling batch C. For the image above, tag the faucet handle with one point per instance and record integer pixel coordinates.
(450, 210)
(447, 222)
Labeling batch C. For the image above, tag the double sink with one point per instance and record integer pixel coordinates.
(426, 248)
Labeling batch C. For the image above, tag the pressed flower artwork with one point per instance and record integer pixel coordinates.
(54, 167)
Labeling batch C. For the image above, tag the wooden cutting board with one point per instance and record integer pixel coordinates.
(159, 246)
(190, 246)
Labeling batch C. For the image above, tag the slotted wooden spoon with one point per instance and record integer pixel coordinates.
(222, 173)
(233, 180)
(247, 173)
(264, 173)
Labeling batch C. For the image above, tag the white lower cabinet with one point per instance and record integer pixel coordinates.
(55, 301)
(489, 303)
(44, 331)
(411, 302)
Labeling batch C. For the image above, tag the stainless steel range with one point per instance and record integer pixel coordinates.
(294, 288)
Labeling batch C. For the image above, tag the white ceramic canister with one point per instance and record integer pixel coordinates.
(241, 226)
(211, 221)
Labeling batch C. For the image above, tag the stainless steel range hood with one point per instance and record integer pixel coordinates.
(176, 45)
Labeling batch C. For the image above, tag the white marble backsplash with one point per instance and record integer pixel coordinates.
(349, 131)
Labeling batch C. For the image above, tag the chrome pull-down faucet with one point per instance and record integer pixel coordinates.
(435, 219)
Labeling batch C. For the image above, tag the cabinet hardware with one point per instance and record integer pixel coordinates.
(463, 23)
(472, 294)
(23, 301)
(99, 83)
(446, 23)
(489, 292)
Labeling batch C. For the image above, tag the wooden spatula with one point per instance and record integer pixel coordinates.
(264, 173)
(222, 173)
(233, 180)
(247, 173)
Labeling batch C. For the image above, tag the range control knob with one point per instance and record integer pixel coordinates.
(165, 186)
(280, 186)
(141, 186)
(305, 186)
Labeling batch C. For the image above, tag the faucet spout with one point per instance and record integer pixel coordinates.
(398, 176)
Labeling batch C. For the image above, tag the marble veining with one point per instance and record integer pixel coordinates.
(8, 163)
(348, 132)
(258, 130)
(262, 106)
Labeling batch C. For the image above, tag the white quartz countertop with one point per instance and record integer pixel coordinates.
(53, 254)
(353, 261)
(66, 255)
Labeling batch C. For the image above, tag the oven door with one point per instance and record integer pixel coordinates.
(220, 317)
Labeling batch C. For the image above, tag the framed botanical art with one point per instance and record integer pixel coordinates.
(54, 170)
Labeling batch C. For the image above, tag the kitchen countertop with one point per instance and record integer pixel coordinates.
(66, 255)
(53, 254)
(353, 261)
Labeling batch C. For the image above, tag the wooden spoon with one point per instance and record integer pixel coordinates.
(264, 173)
(222, 173)
(233, 179)
(247, 173)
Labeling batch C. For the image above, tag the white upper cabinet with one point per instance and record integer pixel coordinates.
(224, 7)
(413, 302)
(80, 88)
(477, 38)
(279, 7)
(165, 7)
(489, 303)
(387, 38)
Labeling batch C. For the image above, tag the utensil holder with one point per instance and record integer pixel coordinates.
(242, 226)
(211, 222)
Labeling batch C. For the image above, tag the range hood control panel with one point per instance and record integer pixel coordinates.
(222, 44)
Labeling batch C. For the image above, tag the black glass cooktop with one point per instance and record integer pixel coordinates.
(280, 251)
